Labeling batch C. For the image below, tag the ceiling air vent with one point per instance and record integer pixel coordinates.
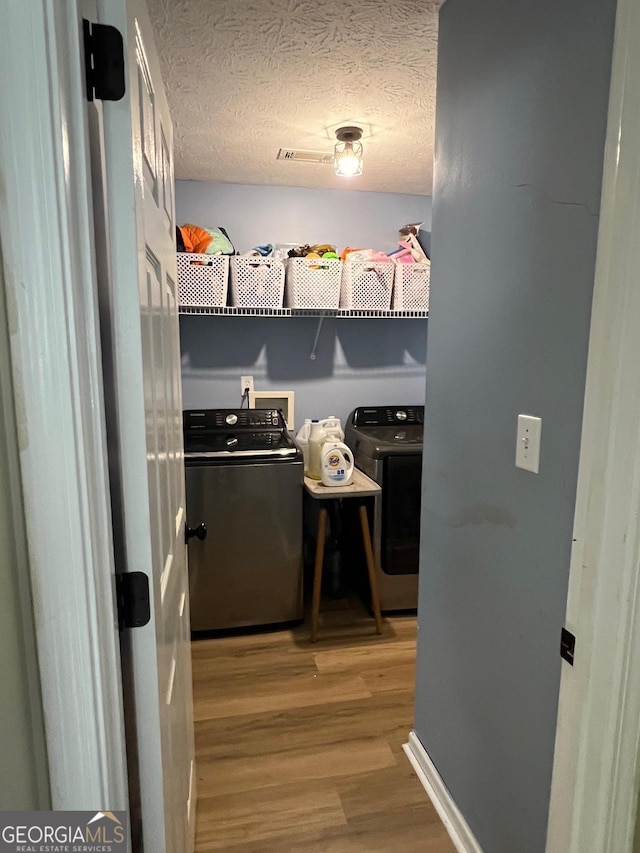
(298, 156)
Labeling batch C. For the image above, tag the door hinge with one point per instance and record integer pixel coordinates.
(567, 645)
(103, 62)
(134, 609)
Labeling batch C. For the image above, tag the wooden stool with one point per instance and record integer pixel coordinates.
(361, 487)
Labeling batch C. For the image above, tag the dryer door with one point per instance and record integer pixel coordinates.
(400, 528)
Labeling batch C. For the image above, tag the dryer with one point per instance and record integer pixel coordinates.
(387, 446)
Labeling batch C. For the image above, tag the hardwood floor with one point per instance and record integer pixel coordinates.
(298, 745)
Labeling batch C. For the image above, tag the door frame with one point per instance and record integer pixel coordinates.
(49, 269)
(594, 792)
(58, 386)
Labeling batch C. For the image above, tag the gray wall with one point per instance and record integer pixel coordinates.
(521, 115)
(359, 361)
(253, 215)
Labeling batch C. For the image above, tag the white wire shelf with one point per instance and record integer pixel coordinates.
(227, 311)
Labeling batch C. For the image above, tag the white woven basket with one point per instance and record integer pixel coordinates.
(202, 279)
(312, 283)
(256, 282)
(367, 285)
(411, 286)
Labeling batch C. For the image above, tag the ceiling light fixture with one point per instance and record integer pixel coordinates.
(347, 153)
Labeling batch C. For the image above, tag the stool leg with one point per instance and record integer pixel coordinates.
(317, 572)
(371, 567)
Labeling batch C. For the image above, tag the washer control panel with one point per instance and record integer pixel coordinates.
(218, 432)
(387, 415)
(239, 419)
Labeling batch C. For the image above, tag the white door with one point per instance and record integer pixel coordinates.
(132, 165)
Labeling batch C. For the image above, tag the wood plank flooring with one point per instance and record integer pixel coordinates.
(298, 745)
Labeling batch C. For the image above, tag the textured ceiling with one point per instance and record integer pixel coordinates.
(247, 78)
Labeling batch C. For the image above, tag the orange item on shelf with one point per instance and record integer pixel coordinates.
(345, 252)
(195, 239)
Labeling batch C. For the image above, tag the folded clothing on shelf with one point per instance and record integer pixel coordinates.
(364, 255)
(203, 241)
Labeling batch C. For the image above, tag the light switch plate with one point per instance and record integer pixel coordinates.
(528, 443)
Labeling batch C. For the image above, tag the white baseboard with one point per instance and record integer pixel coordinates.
(450, 815)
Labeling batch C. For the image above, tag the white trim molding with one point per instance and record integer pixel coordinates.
(15, 550)
(594, 794)
(46, 226)
(459, 831)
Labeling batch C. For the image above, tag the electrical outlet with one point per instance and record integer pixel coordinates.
(246, 384)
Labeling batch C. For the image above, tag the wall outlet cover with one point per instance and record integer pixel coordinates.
(528, 443)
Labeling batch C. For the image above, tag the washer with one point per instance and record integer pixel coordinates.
(244, 480)
(387, 445)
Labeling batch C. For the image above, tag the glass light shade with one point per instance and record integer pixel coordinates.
(347, 159)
